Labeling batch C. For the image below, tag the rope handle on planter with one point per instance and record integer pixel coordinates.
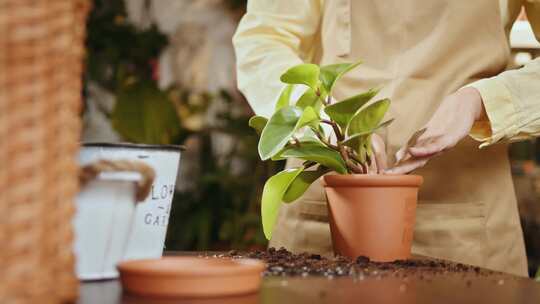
(89, 172)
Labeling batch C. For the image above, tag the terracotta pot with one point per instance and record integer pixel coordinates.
(191, 277)
(372, 215)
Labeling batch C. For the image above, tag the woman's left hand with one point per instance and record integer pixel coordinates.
(451, 122)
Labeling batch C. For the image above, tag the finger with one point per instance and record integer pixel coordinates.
(417, 138)
(402, 153)
(373, 165)
(407, 166)
(427, 149)
(379, 152)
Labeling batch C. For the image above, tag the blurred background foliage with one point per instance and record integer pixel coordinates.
(116, 49)
(222, 210)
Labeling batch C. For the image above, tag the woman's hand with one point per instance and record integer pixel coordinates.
(451, 122)
(379, 163)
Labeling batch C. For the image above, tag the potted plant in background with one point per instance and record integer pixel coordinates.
(370, 214)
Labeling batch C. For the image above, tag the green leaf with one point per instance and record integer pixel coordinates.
(368, 118)
(273, 192)
(309, 136)
(282, 126)
(309, 99)
(367, 145)
(284, 97)
(317, 152)
(357, 140)
(365, 133)
(330, 74)
(301, 183)
(144, 114)
(342, 112)
(361, 150)
(258, 123)
(278, 131)
(384, 124)
(305, 73)
(537, 277)
(309, 117)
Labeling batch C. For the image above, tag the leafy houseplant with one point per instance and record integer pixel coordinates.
(296, 131)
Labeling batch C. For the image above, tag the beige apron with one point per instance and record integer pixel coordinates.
(421, 51)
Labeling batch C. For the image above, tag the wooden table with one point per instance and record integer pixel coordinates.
(440, 289)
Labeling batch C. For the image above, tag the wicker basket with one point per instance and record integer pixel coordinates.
(41, 52)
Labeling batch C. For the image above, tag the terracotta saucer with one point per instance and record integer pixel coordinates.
(191, 277)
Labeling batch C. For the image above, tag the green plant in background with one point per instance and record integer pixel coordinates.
(222, 210)
(117, 50)
(123, 59)
(145, 114)
(296, 131)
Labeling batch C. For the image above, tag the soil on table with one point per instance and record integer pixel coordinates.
(281, 262)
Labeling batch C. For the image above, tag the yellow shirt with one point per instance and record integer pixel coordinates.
(274, 35)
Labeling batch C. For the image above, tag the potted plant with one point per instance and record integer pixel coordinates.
(370, 214)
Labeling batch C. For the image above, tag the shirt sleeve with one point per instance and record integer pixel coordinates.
(272, 36)
(512, 98)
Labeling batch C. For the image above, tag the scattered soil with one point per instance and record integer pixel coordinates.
(281, 262)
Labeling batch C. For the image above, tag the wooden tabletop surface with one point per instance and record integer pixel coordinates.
(440, 289)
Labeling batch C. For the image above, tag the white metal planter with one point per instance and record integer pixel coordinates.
(149, 227)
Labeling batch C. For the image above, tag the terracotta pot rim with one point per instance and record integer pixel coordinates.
(191, 266)
(372, 180)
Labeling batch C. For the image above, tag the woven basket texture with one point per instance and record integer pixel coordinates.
(41, 55)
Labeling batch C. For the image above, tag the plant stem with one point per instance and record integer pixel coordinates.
(324, 141)
(339, 135)
(364, 167)
(359, 169)
(350, 164)
(345, 152)
(353, 155)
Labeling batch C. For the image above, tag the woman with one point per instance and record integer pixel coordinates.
(423, 53)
